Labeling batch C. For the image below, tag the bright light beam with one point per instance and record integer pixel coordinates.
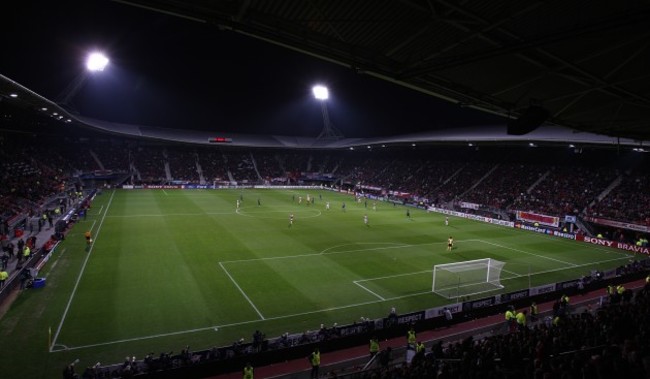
(320, 92)
(96, 62)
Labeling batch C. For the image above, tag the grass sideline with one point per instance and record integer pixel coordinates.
(170, 268)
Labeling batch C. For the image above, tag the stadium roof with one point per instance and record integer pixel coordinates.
(547, 134)
(585, 62)
(586, 65)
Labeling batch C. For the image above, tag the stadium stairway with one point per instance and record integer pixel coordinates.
(351, 360)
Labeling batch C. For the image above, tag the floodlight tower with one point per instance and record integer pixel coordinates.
(329, 131)
(95, 62)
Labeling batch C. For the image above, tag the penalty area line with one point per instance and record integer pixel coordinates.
(242, 291)
(373, 293)
(288, 316)
(234, 324)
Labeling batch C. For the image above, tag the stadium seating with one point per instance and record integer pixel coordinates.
(600, 344)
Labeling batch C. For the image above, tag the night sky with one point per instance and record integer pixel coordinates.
(171, 72)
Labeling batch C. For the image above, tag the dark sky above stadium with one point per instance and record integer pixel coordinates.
(171, 72)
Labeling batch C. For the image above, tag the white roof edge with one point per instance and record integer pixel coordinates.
(476, 134)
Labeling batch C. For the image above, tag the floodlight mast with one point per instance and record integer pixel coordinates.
(329, 131)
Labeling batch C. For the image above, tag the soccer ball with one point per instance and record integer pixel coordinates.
(90, 240)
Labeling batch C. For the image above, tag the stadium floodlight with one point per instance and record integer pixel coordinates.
(96, 61)
(320, 92)
(454, 280)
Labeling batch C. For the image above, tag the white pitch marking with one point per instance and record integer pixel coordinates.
(57, 259)
(568, 268)
(316, 254)
(525, 252)
(510, 272)
(242, 291)
(514, 273)
(83, 267)
(291, 315)
(321, 310)
(298, 212)
(173, 214)
(394, 276)
(165, 192)
(591, 246)
(64, 347)
(360, 285)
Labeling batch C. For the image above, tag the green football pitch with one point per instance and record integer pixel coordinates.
(169, 268)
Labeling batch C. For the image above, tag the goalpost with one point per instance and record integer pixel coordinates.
(453, 280)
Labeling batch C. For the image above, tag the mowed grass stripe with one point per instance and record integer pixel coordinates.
(152, 276)
(76, 285)
(160, 272)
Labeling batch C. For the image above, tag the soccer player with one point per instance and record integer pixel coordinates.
(408, 213)
(299, 199)
(450, 243)
(365, 220)
(374, 205)
(327, 205)
(446, 221)
(238, 203)
(343, 206)
(89, 238)
(291, 220)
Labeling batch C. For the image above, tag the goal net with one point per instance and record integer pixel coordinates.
(453, 280)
